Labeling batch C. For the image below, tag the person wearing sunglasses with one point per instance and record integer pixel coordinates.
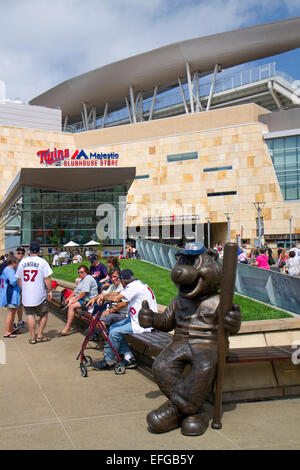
(112, 312)
(85, 290)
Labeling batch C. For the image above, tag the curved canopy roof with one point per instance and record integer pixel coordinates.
(163, 66)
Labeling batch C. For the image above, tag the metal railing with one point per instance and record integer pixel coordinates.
(271, 287)
(227, 81)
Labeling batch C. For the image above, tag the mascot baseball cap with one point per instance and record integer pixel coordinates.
(93, 257)
(34, 247)
(20, 249)
(193, 248)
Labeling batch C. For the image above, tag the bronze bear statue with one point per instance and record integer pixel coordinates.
(193, 315)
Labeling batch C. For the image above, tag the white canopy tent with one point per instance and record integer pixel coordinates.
(92, 243)
(71, 244)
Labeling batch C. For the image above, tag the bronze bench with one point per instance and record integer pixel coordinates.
(150, 344)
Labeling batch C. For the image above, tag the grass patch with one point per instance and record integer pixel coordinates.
(160, 282)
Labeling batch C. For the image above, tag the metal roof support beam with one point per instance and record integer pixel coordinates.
(153, 103)
(86, 124)
(65, 122)
(199, 106)
(141, 107)
(92, 113)
(128, 109)
(94, 117)
(132, 102)
(212, 87)
(274, 95)
(183, 97)
(104, 115)
(83, 120)
(189, 79)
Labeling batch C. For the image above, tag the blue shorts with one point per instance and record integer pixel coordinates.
(11, 306)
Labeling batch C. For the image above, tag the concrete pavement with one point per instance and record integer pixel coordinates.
(46, 404)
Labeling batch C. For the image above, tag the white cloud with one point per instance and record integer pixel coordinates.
(44, 43)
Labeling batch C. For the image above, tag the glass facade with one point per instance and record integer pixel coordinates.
(285, 154)
(48, 216)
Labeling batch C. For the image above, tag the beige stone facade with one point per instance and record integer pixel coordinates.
(229, 137)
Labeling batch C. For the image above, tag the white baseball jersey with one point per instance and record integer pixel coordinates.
(32, 272)
(135, 292)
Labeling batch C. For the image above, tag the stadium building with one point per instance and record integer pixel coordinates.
(175, 132)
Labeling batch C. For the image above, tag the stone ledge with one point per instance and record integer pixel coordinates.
(256, 326)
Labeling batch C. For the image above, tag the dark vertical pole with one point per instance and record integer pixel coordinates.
(225, 305)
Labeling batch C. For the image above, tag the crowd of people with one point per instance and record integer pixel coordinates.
(26, 284)
(286, 261)
(76, 256)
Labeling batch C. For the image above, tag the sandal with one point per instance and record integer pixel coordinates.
(43, 339)
(11, 335)
(66, 333)
(32, 341)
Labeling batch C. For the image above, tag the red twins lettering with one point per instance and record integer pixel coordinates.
(151, 292)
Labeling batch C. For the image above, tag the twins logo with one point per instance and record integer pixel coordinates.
(50, 157)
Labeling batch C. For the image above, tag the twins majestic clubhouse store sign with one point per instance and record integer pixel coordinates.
(77, 158)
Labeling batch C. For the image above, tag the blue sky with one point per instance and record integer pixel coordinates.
(43, 43)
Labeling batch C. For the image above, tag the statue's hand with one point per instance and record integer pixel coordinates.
(145, 315)
(233, 319)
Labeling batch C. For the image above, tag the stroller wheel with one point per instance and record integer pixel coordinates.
(119, 368)
(83, 370)
(87, 361)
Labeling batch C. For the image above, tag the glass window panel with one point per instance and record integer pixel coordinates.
(85, 197)
(278, 159)
(291, 193)
(291, 178)
(278, 144)
(103, 196)
(291, 142)
(291, 156)
(67, 198)
(270, 144)
(281, 180)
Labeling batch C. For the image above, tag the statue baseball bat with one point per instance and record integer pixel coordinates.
(225, 305)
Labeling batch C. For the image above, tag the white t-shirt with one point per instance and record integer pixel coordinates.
(55, 261)
(135, 293)
(32, 272)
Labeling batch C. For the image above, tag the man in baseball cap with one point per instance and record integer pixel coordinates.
(34, 247)
(34, 276)
(98, 270)
(127, 275)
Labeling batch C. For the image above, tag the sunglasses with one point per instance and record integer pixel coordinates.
(81, 272)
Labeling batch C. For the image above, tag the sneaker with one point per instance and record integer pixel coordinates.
(130, 363)
(21, 324)
(103, 365)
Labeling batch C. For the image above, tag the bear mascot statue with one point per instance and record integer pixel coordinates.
(193, 315)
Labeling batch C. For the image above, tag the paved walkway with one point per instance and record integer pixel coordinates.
(46, 404)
